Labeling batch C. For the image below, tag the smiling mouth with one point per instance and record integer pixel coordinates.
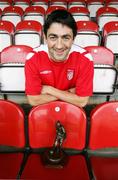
(59, 51)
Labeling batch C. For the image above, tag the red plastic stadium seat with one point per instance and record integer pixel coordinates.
(12, 139)
(42, 120)
(36, 13)
(103, 144)
(43, 3)
(5, 3)
(28, 32)
(6, 34)
(105, 74)
(13, 14)
(73, 3)
(112, 3)
(101, 55)
(58, 3)
(93, 6)
(80, 13)
(106, 14)
(52, 8)
(110, 36)
(12, 77)
(22, 3)
(20, 53)
(87, 34)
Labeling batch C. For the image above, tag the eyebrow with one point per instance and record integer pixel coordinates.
(64, 35)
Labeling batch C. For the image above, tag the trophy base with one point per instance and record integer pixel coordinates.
(53, 159)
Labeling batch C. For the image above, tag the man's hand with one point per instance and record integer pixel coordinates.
(72, 90)
(45, 89)
(65, 95)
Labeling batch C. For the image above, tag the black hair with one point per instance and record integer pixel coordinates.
(63, 17)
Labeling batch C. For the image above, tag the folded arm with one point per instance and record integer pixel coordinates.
(49, 94)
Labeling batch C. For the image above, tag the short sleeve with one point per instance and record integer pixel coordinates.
(84, 84)
(32, 77)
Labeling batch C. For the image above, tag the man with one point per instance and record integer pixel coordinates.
(59, 70)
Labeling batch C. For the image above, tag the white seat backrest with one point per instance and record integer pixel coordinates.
(29, 38)
(105, 19)
(84, 39)
(81, 17)
(3, 5)
(93, 9)
(5, 40)
(12, 17)
(114, 5)
(12, 78)
(34, 16)
(22, 5)
(104, 79)
(111, 42)
(44, 5)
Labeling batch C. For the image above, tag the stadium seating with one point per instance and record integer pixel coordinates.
(80, 13)
(13, 14)
(43, 3)
(12, 68)
(103, 144)
(36, 13)
(93, 6)
(112, 3)
(110, 36)
(5, 3)
(6, 34)
(58, 3)
(92, 154)
(87, 34)
(42, 132)
(74, 3)
(28, 32)
(22, 3)
(52, 8)
(104, 71)
(12, 140)
(106, 14)
(20, 53)
(96, 51)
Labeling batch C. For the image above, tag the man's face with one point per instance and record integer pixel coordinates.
(59, 40)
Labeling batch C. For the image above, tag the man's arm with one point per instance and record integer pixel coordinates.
(50, 93)
(67, 96)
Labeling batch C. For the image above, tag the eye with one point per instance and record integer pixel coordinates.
(66, 38)
(52, 38)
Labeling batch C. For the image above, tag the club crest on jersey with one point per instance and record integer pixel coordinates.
(70, 74)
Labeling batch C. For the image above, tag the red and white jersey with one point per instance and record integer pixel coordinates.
(76, 71)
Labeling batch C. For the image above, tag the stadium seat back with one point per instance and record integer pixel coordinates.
(12, 139)
(103, 143)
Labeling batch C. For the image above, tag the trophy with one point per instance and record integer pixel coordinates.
(55, 156)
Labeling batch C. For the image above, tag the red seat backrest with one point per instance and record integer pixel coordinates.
(42, 120)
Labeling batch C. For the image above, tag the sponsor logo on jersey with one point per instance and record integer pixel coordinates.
(46, 72)
(70, 74)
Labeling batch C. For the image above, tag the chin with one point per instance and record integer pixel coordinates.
(59, 60)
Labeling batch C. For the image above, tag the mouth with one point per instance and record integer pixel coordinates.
(59, 52)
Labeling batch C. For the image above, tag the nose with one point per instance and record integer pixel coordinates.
(59, 43)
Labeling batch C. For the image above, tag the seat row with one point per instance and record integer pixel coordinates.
(92, 6)
(78, 12)
(13, 58)
(89, 148)
(29, 32)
